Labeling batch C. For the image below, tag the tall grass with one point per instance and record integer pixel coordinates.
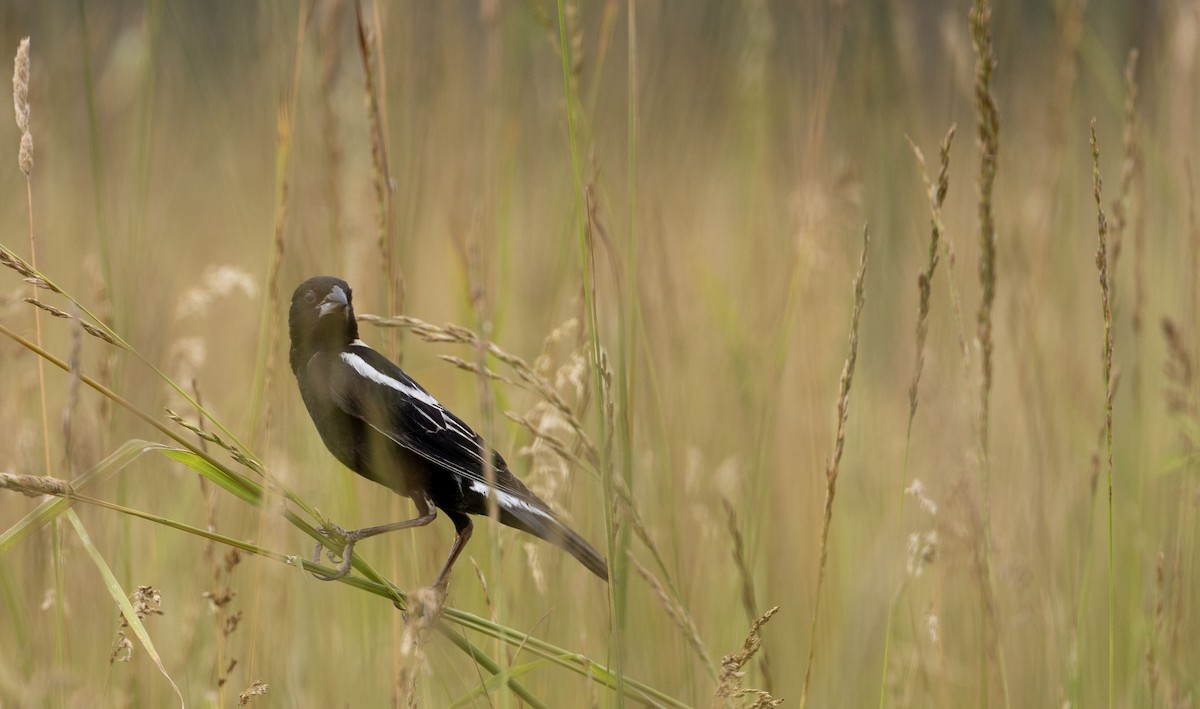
(636, 211)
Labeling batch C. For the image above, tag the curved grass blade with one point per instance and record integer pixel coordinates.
(122, 598)
(240, 486)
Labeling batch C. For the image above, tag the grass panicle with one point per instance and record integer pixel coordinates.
(732, 681)
(1107, 354)
(749, 604)
(936, 192)
(21, 107)
(988, 140)
(835, 459)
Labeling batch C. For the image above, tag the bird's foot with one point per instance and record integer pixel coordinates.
(347, 538)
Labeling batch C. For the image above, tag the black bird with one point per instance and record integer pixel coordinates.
(382, 425)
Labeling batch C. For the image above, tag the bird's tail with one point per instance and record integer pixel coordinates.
(542, 523)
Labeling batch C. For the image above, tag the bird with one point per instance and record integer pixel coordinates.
(383, 425)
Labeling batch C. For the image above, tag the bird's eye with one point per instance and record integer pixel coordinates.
(310, 297)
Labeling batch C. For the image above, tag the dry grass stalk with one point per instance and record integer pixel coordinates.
(205, 435)
(988, 138)
(749, 604)
(283, 148)
(682, 619)
(937, 196)
(732, 674)
(283, 151)
(831, 470)
(220, 598)
(25, 162)
(1102, 268)
(87, 327)
(18, 264)
(393, 277)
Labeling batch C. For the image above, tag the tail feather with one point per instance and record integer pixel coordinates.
(542, 523)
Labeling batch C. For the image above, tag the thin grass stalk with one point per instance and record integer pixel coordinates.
(749, 602)
(617, 580)
(1102, 269)
(21, 109)
(988, 127)
(482, 245)
(937, 196)
(274, 299)
(480, 306)
(393, 278)
(140, 209)
(628, 314)
(831, 470)
(273, 307)
(988, 139)
(1075, 676)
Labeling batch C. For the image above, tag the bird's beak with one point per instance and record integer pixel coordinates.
(335, 301)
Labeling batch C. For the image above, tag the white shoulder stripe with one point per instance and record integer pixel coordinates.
(507, 500)
(360, 365)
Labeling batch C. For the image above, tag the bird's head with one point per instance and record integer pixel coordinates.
(321, 316)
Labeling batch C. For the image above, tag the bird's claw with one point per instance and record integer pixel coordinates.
(334, 532)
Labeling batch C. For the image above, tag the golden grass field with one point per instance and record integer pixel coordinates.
(654, 211)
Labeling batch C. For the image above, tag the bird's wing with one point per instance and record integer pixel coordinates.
(364, 384)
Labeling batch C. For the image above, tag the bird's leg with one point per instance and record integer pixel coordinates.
(464, 527)
(426, 513)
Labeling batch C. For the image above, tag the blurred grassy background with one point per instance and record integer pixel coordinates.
(767, 134)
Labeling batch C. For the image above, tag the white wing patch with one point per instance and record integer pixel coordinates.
(507, 500)
(360, 365)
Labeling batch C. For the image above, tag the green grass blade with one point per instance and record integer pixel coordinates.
(122, 598)
(240, 486)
